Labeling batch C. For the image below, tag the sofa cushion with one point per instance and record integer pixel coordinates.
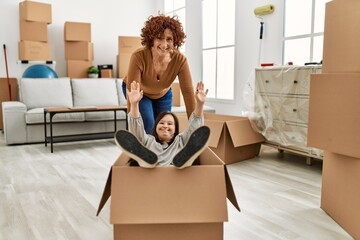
(94, 92)
(122, 99)
(36, 115)
(45, 92)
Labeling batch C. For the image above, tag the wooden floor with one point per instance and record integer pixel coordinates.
(47, 195)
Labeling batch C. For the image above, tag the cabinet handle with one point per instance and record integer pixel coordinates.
(294, 110)
(295, 81)
(267, 81)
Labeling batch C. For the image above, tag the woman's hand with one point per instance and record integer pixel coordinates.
(134, 94)
(200, 94)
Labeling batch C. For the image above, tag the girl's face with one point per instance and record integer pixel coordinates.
(165, 43)
(165, 129)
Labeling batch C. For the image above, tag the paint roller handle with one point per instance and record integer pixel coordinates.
(261, 29)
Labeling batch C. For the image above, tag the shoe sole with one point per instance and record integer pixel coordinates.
(194, 147)
(135, 150)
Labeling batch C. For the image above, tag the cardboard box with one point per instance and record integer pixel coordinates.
(34, 51)
(168, 203)
(127, 45)
(4, 93)
(77, 31)
(35, 11)
(232, 138)
(78, 68)
(106, 73)
(177, 97)
(334, 114)
(341, 46)
(33, 31)
(76, 50)
(340, 193)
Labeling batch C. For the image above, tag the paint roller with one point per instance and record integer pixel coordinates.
(260, 11)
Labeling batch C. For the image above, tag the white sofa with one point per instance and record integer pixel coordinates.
(23, 120)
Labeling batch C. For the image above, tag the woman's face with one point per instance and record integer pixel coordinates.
(165, 43)
(165, 129)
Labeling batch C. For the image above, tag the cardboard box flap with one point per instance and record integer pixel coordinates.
(242, 133)
(208, 157)
(168, 195)
(106, 193)
(216, 128)
(230, 190)
(121, 161)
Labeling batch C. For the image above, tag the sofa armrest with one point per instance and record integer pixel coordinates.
(14, 122)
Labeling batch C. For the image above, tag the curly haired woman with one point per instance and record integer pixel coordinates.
(156, 66)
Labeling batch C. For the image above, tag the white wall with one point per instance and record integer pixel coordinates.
(108, 19)
(247, 46)
(120, 17)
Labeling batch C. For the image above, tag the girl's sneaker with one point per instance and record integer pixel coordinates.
(135, 150)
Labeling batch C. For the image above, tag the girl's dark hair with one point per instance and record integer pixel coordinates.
(176, 122)
(155, 26)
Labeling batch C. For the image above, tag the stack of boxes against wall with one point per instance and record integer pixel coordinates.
(126, 46)
(334, 115)
(34, 19)
(79, 50)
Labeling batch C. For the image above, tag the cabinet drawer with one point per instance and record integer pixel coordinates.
(269, 81)
(290, 109)
(298, 81)
(287, 134)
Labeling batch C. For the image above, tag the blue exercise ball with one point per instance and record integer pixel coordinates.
(39, 71)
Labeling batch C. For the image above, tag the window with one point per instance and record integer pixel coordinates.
(176, 8)
(303, 31)
(218, 47)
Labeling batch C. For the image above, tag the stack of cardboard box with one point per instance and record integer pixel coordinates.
(127, 45)
(334, 114)
(79, 50)
(34, 18)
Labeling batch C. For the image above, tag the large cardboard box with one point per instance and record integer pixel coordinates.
(127, 45)
(79, 50)
(334, 114)
(165, 203)
(4, 93)
(78, 68)
(177, 97)
(34, 51)
(77, 31)
(33, 31)
(231, 137)
(35, 11)
(341, 46)
(340, 193)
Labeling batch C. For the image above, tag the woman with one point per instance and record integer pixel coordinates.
(166, 146)
(156, 66)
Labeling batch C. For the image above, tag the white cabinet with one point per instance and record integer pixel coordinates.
(282, 101)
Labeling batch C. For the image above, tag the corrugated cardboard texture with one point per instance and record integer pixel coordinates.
(168, 203)
(79, 50)
(177, 97)
(78, 68)
(34, 51)
(199, 231)
(35, 11)
(334, 113)
(231, 137)
(126, 46)
(77, 31)
(168, 195)
(341, 41)
(33, 31)
(340, 194)
(4, 93)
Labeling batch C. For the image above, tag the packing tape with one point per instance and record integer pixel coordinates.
(267, 9)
